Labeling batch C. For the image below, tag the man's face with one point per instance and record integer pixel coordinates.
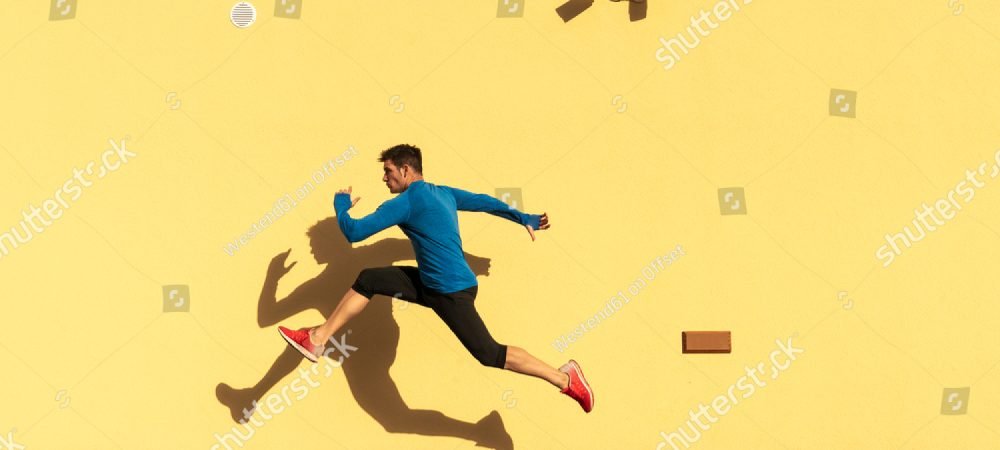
(394, 178)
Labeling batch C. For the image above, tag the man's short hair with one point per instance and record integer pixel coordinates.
(403, 154)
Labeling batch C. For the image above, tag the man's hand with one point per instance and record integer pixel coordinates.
(277, 267)
(348, 192)
(543, 224)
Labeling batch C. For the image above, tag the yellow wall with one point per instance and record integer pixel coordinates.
(626, 156)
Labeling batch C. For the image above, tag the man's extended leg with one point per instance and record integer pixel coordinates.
(458, 310)
(569, 378)
(520, 361)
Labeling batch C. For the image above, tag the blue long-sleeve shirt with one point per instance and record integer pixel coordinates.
(428, 215)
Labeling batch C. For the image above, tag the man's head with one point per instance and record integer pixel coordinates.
(402, 165)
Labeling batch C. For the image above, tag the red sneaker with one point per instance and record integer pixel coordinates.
(299, 340)
(578, 388)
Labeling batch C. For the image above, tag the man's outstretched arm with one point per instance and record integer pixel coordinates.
(468, 201)
(392, 212)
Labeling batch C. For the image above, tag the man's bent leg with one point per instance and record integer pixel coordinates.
(394, 280)
(350, 305)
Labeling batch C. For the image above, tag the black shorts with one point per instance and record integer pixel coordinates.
(456, 309)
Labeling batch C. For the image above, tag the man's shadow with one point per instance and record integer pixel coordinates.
(374, 332)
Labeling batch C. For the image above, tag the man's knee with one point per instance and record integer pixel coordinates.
(492, 354)
(364, 284)
(367, 275)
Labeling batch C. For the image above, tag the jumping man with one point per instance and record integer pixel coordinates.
(428, 215)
